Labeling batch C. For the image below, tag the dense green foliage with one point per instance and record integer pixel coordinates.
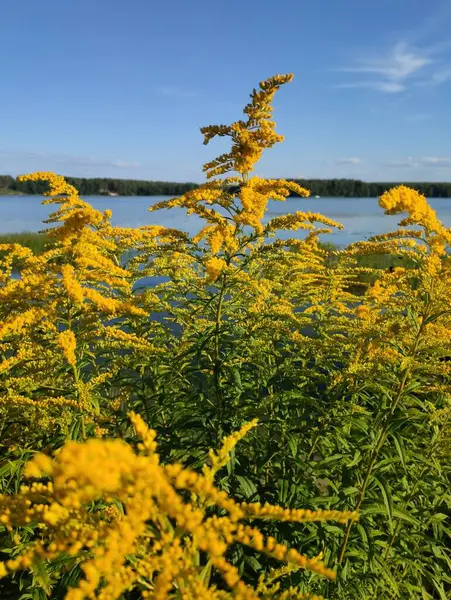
(354, 188)
(102, 185)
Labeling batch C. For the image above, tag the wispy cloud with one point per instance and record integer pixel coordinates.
(434, 25)
(442, 76)
(175, 92)
(421, 162)
(388, 87)
(392, 72)
(420, 58)
(352, 160)
(399, 64)
(89, 161)
(41, 160)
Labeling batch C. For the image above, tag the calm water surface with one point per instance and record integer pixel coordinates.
(361, 217)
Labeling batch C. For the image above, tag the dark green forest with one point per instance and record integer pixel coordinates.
(353, 188)
(98, 185)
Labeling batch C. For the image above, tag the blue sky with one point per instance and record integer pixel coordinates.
(120, 87)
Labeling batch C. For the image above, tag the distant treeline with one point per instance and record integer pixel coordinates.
(133, 187)
(99, 185)
(354, 188)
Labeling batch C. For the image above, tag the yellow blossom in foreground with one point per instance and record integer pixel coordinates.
(116, 545)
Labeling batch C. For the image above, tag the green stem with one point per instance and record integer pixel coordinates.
(379, 445)
(217, 354)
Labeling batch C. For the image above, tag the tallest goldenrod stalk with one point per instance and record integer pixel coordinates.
(232, 248)
(231, 199)
(249, 139)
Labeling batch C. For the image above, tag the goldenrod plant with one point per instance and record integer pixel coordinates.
(346, 366)
(122, 519)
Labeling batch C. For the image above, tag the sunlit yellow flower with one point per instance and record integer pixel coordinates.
(214, 266)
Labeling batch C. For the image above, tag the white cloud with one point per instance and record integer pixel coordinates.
(422, 162)
(392, 70)
(403, 67)
(435, 161)
(352, 160)
(389, 87)
(398, 65)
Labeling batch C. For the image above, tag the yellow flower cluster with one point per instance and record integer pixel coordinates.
(250, 137)
(57, 184)
(300, 220)
(214, 267)
(68, 344)
(132, 543)
(64, 297)
(404, 199)
(255, 194)
(219, 237)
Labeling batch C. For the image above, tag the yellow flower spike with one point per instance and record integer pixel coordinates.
(279, 513)
(57, 184)
(220, 458)
(73, 287)
(17, 323)
(67, 342)
(250, 137)
(404, 199)
(147, 435)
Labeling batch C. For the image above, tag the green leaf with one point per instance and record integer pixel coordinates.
(41, 575)
(237, 379)
(330, 459)
(355, 460)
(362, 532)
(388, 501)
(283, 490)
(401, 513)
(439, 588)
(381, 509)
(247, 486)
(253, 563)
(205, 574)
(400, 449)
(293, 441)
(438, 518)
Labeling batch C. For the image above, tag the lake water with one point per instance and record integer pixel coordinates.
(361, 217)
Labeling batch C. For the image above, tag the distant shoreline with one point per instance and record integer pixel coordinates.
(324, 188)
